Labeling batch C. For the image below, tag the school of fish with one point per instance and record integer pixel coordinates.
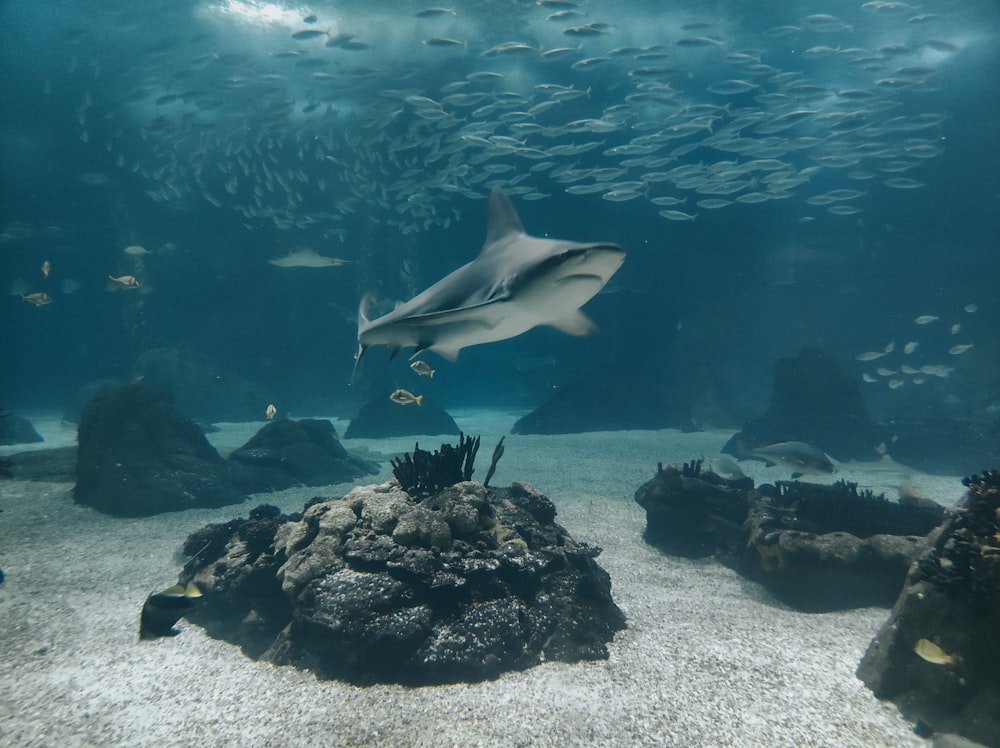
(354, 119)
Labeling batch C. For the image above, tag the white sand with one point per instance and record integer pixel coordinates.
(707, 658)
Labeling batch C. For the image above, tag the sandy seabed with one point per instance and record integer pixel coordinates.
(708, 659)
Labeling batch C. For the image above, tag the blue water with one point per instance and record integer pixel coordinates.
(207, 134)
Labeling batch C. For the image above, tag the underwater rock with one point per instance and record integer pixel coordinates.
(814, 401)
(691, 511)
(202, 388)
(52, 465)
(937, 655)
(138, 455)
(945, 446)
(379, 587)
(74, 404)
(382, 417)
(612, 400)
(17, 430)
(290, 453)
(814, 547)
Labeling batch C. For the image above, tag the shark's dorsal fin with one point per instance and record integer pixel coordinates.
(503, 219)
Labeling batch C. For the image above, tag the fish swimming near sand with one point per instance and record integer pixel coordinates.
(163, 609)
(798, 457)
(307, 258)
(517, 282)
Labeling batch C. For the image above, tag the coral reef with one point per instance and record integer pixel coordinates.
(937, 656)
(815, 547)
(376, 586)
(428, 472)
(498, 451)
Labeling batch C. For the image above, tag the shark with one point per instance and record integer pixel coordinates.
(516, 283)
(306, 258)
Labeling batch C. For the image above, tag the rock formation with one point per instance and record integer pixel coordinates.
(377, 586)
(381, 418)
(813, 401)
(937, 657)
(289, 453)
(814, 547)
(138, 455)
(17, 430)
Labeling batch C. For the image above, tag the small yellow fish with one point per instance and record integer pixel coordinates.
(868, 377)
(46, 268)
(957, 350)
(956, 328)
(38, 299)
(125, 281)
(931, 652)
(271, 412)
(405, 397)
(910, 347)
(422, 369)
(136, 250)
(925, 319)
(936, 370)
(884, 372)
(895, 384)
(191, 590)
(890, 346)
(869, 355)
(971, 308)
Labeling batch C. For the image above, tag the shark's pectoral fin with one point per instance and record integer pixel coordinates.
(577, 323)
(447, 352)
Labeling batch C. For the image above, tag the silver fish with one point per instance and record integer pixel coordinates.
(799, 457)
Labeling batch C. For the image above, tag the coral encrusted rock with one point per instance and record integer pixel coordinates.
(937, 657)
(380, 587)
(814, 547)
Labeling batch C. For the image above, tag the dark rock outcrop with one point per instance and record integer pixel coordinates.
(814, 547)
(691, 511)
(289, 453)
(382, 418)
(615, 400)
(937, 657)
(17, 430)
(378, 587)
(945, 446)
(138, 455)
(54, 465)
(813, 401)
(202, 388)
